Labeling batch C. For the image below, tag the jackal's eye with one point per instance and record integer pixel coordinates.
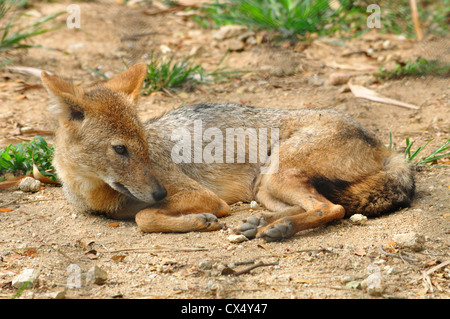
(120, 149)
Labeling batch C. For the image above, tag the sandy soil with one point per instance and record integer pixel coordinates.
(45, 233)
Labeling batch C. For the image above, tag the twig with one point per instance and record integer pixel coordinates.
(404, 258)
(319, 250)
(426, 275)
(9, 203)
(134, 37)
(415, 17)
(157, 249)
(247, 270)
(433, 269)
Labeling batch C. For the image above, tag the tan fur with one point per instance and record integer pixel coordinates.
(326, 165)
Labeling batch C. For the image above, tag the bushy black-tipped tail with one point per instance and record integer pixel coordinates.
(387, 190)
(383, 192)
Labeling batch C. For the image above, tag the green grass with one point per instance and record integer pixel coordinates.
(416, 68)
(430, 159)
(166, 73)
(15, 33)
(19, 158)
(291, 18)
(288, 17)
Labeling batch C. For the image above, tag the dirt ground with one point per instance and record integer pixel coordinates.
(43, 232)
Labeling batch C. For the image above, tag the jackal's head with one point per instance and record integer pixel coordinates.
(101, 137)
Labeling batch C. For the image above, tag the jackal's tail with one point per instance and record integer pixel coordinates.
(384, 191)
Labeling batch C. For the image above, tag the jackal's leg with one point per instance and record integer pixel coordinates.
(278, 210)
(184, 211)
(309, 208)
(296, 203)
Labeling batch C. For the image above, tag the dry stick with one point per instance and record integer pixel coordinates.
(247, 270)
(415, 17)
(9, 203)
(426, 275)
(404, 258)
(156, 249)
(433, 269)
(134, 37)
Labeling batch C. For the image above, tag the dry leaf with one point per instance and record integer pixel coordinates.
(24, 87)
(351, 67)
(365, 93)
(91, 254)
(360, 252)
(118, 257)
(30, 252)
(114, 224)
(26, 70)
(85, 243)
(304, 281)
(43, 179)
(263, 246)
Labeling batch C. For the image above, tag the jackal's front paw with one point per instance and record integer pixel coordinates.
(208, 222)
(279, 231)
(250, 226)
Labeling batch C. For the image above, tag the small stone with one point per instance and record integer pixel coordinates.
(387, 45)
(61, 294)
(205, 265)
(253, 204)
(26, 129)
(96, 275)
(412, 240)
(391, 270)
(229, 31)
(29, 184)
(236, 238)
(338, 78)
(234, 45)
(354, 284)
(358, 219)
(373, 284)
(27, 275)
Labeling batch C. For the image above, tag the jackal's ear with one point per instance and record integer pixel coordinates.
(129, 82)
(66, 95)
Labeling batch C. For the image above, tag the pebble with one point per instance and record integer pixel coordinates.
(234, 45)
(96, 275)
(338, 78)
(358, 219)
(253, 204)
(373, 284)
(61, 294)
(229, 31)
(29, 184)
(205, 265)
(27, 275)
(236, 238)
(411, 240)
(387, 45)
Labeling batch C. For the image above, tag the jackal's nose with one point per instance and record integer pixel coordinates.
(159, 194)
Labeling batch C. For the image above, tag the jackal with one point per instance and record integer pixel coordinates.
(322, 165)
